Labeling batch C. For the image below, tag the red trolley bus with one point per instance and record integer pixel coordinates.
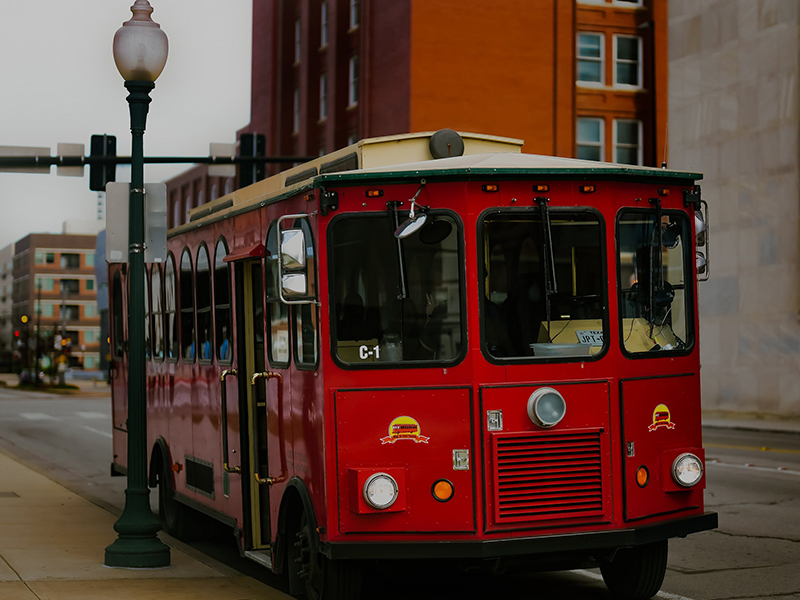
(431, 346)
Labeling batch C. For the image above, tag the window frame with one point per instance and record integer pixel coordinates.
(157, 316)
(462, 303)
(639, 63)
(354, 16)
(273, 300)
(182, 308)
(601, 143)
(601, 60)
(296, 111)
(323, 19)
(323, 96)
(203, 247)
(526, 360)
(298, 40)
(352, 81)
(312, 279)
(640, 145)
(218, 308)
(177, 333)
(689, 299)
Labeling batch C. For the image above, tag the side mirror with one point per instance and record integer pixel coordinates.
(294, 285)
(293, 249)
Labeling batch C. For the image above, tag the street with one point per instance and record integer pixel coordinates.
(753, 483)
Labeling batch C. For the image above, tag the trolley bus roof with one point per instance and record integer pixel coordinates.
(399, 158)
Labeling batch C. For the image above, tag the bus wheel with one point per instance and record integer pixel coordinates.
(174, 516)
(636, 573)
(314, 576)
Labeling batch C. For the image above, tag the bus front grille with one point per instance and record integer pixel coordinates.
(548, 475)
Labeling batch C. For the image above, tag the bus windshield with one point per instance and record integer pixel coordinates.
(395, 301)
(653, 269)
(543, 285)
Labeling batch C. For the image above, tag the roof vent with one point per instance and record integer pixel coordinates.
(446, 143)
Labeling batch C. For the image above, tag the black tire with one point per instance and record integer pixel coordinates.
(313, 576)
(176, 519)
(636, 573)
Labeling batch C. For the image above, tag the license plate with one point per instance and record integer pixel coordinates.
(591, 337)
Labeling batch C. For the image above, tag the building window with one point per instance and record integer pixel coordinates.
(627, 62)
(200, 198)
(90, 259)
(88, 337)
(89, 285)
(354, 17)
(323, 36)
(630, 3)
(213, 192)
(39, 257)
(352, 82)
(296, 111)
(71, 286)
(45, 282)
(89, 311)
(352, 138)
(628, 142)
(590, 57)
(323, 96)
(297, 41)
(70, 312)
(50, 258)
(590, 139)
(70, 261)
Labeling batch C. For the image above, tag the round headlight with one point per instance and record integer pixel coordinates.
(546, 407)
(380, 490)
(687, 470)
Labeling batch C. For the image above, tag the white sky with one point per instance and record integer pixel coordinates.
(58, 83)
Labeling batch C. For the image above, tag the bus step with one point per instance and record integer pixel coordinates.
(262, 557)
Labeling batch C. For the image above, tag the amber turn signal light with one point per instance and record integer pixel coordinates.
(586, 189)
(442, 490)
(490, 187)
(642, 476)
(374, 193)
(541, 187)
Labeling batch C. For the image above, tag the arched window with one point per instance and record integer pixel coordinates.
(171, 310)
(305, 315)
(188, 348)
(117, 330)
(157, 313)
(205, 332)
(222, 303)
(146, 314)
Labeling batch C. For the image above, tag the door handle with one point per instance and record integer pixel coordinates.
(269, 480)
(224, 401)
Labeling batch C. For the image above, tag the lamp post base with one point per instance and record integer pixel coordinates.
(137, 553)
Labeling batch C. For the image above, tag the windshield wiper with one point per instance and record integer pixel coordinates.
(402, 287)
(551, 286)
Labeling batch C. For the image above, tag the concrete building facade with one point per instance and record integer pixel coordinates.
(54, 288)
(733, 114)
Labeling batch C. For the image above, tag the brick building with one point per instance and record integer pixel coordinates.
(573, 78)
(54, 287)
(8, 342)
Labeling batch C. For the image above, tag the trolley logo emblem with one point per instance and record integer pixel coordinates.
(404, 428)
(661, 418)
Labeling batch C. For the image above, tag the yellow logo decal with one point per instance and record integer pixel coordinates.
(661, 418)
(404, 428)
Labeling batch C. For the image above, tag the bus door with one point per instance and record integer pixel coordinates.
(251, 371)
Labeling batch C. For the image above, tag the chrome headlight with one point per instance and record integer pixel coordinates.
(687, 469)
(546, 407)
(380, 490)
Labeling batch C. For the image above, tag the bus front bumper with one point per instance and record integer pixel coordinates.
(488, 549)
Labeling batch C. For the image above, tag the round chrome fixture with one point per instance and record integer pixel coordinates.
(380, 491)
(687, 469)
(546, 407)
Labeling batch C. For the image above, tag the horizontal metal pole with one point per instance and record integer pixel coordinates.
(79, 161)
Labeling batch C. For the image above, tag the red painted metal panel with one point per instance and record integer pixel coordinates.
(661, 418)
(370, 438)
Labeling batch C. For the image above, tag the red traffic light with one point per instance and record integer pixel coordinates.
(16, 333)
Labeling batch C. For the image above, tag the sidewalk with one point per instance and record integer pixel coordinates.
(52, 545)
(86, 387)
(750, 422)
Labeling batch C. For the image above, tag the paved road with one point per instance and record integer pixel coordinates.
(755, 554)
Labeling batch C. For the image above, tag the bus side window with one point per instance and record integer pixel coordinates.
(277, 312)
(157, 306)
(117, 333)
(305, 315)
(222, 303)
(188, 344)
(171, 310)
(205, 330)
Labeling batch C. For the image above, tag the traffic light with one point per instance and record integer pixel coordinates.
(102, 146)
(16, 333)
(24, 319)
(252, 144)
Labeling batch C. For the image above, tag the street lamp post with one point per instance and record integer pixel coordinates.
(140, 52)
